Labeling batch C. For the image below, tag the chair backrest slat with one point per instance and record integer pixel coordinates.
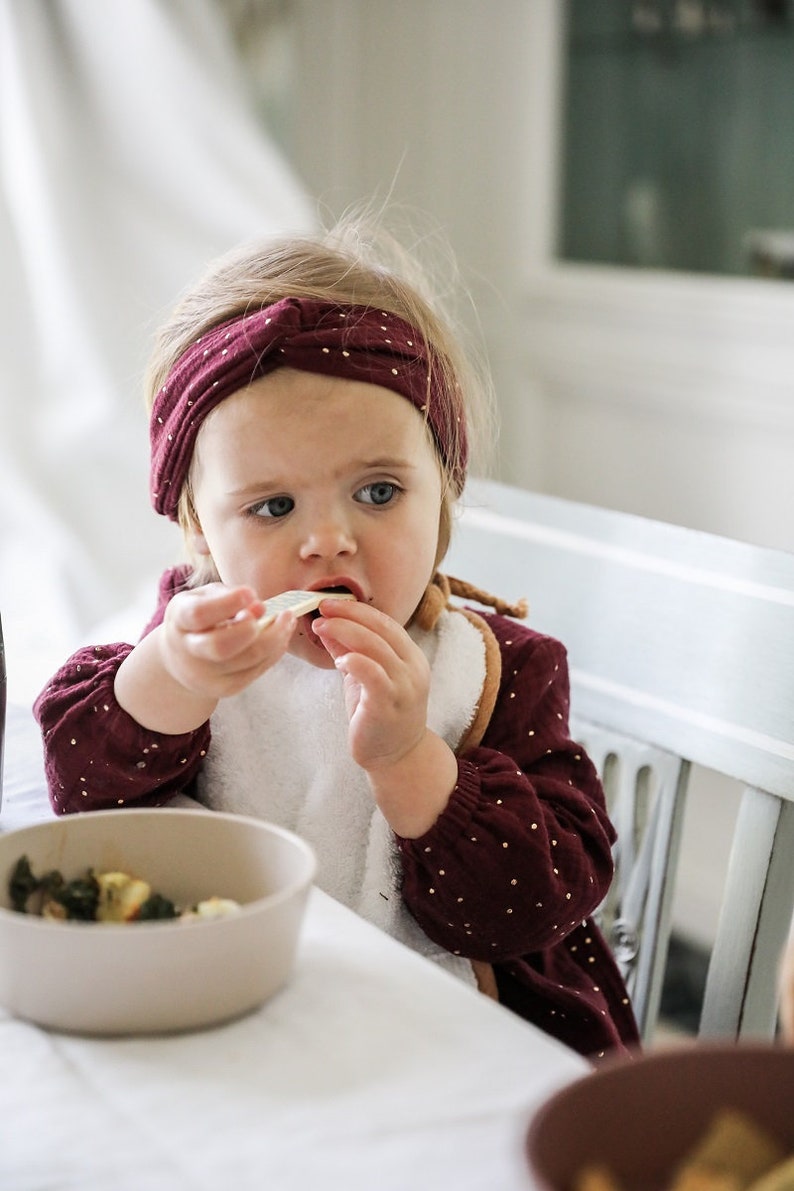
(755, 914)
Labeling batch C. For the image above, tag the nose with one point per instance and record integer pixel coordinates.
(328, 536)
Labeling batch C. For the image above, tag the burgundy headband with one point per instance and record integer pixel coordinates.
(351, 342)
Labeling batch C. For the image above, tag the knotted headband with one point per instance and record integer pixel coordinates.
(351, 342)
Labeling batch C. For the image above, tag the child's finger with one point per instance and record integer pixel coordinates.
(382, 640)
(344, 636)
(342, 614)
(208, 607)
(240, 643)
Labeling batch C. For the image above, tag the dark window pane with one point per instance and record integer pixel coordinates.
(678, 135)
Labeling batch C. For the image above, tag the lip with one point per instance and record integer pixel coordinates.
(324, 584)
(339, 581)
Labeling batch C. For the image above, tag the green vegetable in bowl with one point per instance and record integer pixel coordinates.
(22, 885)
(157, 907)
(68, 899)
(100, 897)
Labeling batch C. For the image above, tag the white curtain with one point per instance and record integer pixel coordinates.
(130, 154)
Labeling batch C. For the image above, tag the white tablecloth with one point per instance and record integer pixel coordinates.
(372, 1070)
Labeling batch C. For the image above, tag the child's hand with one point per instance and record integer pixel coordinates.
(208, 646)
(386, 676)
(387, 683)
(212, 644)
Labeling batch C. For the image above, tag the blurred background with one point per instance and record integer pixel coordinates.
(615, 180)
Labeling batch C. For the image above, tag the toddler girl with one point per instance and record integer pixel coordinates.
(311, 418)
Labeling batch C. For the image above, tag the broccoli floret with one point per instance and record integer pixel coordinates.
(156, 906)
(78, 897)
(21, 885)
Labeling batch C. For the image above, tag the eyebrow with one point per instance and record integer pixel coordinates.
(277, 484)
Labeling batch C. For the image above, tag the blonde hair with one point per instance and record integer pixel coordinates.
(356, 262)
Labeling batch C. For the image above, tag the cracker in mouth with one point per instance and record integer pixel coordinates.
(300, 602)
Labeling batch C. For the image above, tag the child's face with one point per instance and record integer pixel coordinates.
(306, 481)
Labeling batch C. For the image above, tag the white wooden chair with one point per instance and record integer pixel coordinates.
(681, 648)
(2, 707)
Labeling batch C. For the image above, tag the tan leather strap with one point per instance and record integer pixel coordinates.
(490, 687)
(440, 590)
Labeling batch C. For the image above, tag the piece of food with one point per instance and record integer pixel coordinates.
(156, 907)
(703, 1178)
(22, 885)
(734, 1147)
(300, 602)
(779, 1178)
(596, 1178)
(109, 897)
(212, 907)
(76, 899)
(120, 897)
(735, 1154)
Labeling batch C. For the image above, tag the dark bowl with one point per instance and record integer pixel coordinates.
(638, 1117)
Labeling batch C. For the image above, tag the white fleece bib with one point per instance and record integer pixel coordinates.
(279, 752)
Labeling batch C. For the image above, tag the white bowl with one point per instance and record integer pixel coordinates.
(99, 978)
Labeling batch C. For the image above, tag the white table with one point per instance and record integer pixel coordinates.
(372, 1070)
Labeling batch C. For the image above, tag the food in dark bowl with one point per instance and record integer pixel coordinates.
(691, 1117)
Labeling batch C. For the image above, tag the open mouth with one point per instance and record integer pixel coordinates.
(331, 591)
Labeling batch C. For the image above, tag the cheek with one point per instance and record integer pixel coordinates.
(235, 551)
(412, 557)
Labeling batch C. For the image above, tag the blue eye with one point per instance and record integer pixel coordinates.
(379, 493)
(276, 506)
